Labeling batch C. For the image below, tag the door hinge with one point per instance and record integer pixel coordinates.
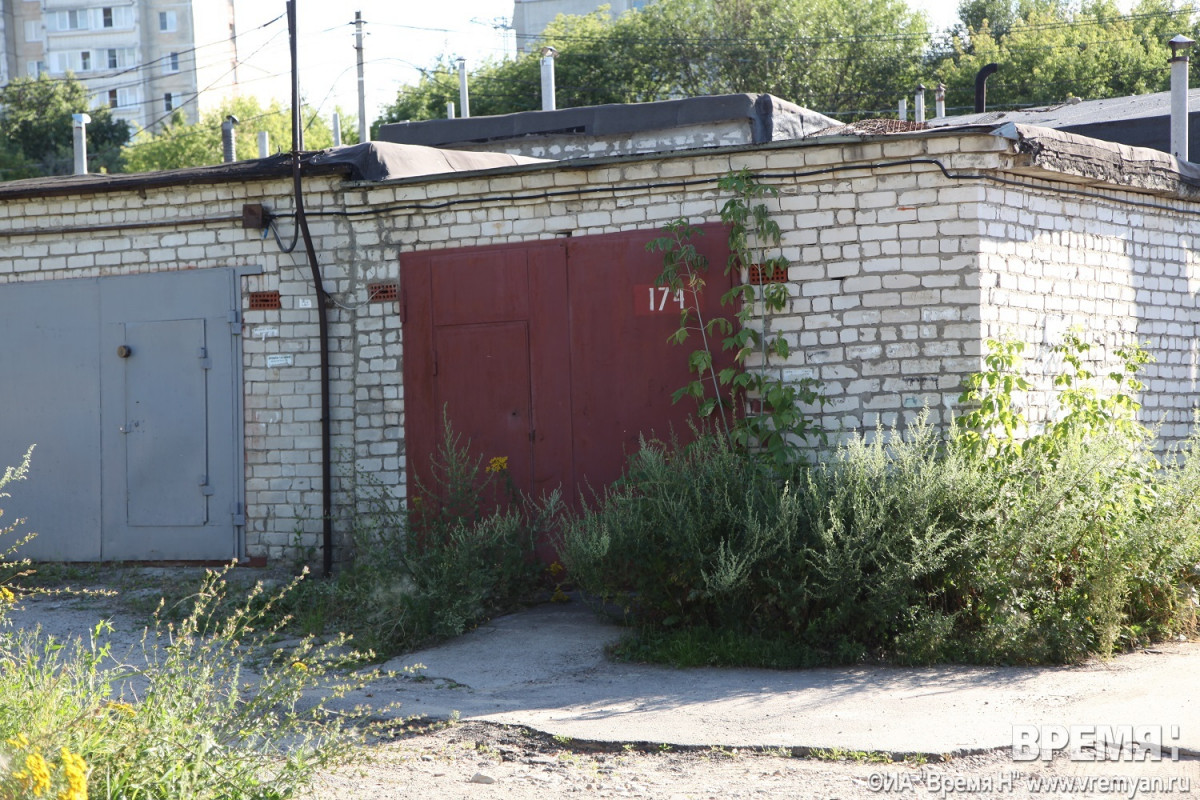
(205, 361)
(235, 322)
(205, 488)
(403, 305)
(239, 516)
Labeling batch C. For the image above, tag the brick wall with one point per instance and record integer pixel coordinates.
(1104, 265)
(898, 274)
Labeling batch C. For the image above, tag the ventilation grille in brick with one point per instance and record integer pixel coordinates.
(758, 275)
(382, 292)
(264, 301)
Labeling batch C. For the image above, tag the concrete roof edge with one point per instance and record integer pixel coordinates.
(1099, 162)
(277, 166)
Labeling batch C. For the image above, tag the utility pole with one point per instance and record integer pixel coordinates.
(362, 85)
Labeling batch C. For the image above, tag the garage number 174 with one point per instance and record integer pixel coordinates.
(659, 296)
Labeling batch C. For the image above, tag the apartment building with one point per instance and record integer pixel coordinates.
(141, 58)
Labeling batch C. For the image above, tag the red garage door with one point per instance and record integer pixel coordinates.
(554, 354)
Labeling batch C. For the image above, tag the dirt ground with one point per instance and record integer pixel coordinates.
(481, 760)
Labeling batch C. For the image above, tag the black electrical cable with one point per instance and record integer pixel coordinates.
(322, 309)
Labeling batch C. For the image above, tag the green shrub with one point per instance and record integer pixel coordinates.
(685, 536)
(461, 553)
(994, 544)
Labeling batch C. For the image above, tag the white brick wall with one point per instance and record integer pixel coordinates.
(899, 273)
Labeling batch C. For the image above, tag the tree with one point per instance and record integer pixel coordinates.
(36, 124)
(180, 144)
(835, 56)
(1048, 51)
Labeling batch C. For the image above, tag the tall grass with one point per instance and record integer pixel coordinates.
(180, 717)
(461, 552)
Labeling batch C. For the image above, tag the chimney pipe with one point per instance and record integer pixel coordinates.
(939, 101)
(464, 100)
(79, 122)
(264, 144)
(919, 104)
(902, 112)
(449, 109)
(981, 86)
(1179, 95)
(228, 141)
(548, 56)
(337, 129)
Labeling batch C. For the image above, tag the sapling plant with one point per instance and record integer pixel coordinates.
(754, 405)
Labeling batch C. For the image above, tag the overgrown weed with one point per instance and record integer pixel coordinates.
(990, 544)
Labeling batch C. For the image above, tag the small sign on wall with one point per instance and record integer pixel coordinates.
(277, 361)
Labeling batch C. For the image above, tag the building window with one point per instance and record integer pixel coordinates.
(33, 31)
(106, 13)
(171, 64)
(68, 21)
(36, 68)
(168, 102)
(112, 58)
(85, 61)
(166, 21)
(112, 98)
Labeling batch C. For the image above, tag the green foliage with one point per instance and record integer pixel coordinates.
(184, 719)
(672, 544)
(600, 65)
(848, 59)
(182, 144)
(36, 126)
(461, 553)
(768, 414)
(911, 545)
(671, 48)
(1049, 50)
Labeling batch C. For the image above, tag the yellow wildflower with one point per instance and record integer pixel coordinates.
(75, 770)
(556, 569)
(36, 776)
(300, 666)
(122, 708)
(20, 741)
(497, 464)
(6, 595)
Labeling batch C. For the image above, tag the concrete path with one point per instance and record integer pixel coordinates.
(545, 668)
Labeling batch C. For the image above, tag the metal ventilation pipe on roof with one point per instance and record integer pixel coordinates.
(1179, 95)
(939, 101)
(79, 122)
(464, 100)
(449, 109)
(981, 86)
(548, 56)
(264, 144)
(337, 129)
(902, 112)
(228, 140)
(919, 104)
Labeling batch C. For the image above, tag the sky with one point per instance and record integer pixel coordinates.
(400, 37)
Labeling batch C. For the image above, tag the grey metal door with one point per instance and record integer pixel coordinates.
(50, 397)
(157, 377)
